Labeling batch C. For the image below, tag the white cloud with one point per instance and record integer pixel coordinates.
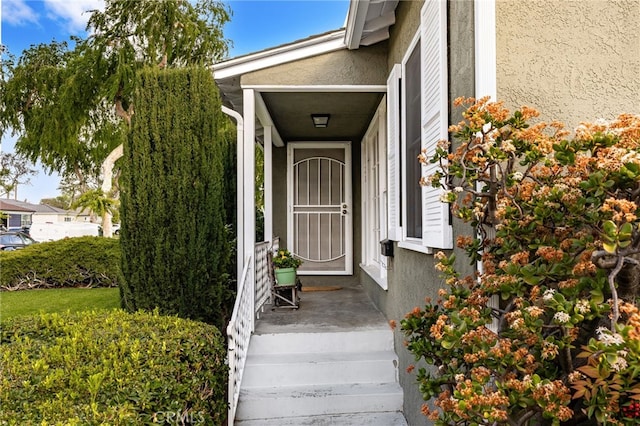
(17, 12)
(74, 13)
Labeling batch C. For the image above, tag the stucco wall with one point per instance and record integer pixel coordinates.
(574, 60)
(401, 34)
(363, 66)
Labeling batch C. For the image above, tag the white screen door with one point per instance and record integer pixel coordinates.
(320, 216)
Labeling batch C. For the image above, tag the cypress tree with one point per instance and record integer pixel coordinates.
(175, 252)
(228, 137)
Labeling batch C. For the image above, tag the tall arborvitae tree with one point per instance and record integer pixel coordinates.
(228, 136)
(175, 250)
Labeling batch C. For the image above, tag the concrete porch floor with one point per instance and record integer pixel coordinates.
(342, 309)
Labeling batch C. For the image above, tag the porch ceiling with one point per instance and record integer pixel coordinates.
(350, 114)
(367, 23)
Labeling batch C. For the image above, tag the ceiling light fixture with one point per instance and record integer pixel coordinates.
(320, 120)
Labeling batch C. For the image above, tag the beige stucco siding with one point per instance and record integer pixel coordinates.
(365, 66)
(404, 30)
(574, 60)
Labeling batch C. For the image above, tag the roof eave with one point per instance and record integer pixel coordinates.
(306, 48)
(356, 18)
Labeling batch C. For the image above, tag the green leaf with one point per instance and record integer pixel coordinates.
(609, 247)
(447, 344)
(609, 228)
(626, 229)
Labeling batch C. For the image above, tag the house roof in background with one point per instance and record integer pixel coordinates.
(16, 206)
(22, 206)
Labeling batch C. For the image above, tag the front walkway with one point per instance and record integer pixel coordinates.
(331, 362)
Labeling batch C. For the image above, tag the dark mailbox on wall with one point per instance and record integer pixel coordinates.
(386, 248)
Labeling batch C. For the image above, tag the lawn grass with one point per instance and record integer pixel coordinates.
(26, 302)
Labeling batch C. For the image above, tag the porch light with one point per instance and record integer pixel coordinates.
(320, 120)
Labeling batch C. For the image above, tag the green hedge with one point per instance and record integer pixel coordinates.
(111, 367)
(175, 247)
(72, 262)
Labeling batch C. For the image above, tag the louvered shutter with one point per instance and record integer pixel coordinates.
(393, 153)
(436, 230)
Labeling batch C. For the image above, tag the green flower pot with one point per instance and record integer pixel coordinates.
(285, 276)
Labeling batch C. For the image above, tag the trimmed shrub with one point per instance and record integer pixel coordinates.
(72, 262)
(174, 243)
(111, 367)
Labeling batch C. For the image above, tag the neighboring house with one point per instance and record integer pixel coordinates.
(81, 215)
(45, 213)
(51, 223)
(46, 222)
(16, 214)
(386, 83)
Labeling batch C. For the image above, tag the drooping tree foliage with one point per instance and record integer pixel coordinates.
(14, 171)
(67, 102)
(174, 242)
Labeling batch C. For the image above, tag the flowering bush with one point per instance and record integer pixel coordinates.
(548, 331)
(284, 259)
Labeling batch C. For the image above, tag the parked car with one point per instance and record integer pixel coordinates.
(13, 240)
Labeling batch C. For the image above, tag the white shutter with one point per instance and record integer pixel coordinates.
(393, 154)
(382, 170)
(436, 230)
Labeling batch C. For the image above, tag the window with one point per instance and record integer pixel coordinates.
(374, 198)
(412, 144)
(25, 220)
(417, 120)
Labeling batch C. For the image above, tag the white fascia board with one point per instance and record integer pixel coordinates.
(354, 26)
(280, 55)
(365, 88)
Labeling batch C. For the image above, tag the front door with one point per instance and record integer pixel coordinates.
(320, 215)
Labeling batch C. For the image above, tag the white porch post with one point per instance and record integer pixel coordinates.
(485, 47)
(268, 184)
(239, 189)
(249, 178)
(486, 82)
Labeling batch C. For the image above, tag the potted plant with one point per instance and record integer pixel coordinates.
(285, 267)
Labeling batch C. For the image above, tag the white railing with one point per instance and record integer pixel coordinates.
(250, 299)
(238, 334)
(263, 282)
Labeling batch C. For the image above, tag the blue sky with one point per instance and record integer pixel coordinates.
(255, 25)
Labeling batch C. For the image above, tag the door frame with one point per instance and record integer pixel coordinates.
(348, 237)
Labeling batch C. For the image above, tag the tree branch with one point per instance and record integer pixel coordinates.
(121, 112)
(525, 417)
(614, 292)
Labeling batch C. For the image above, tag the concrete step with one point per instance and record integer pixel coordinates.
(318, 400)
(266, 370)
(358, 419)
(376, 339)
